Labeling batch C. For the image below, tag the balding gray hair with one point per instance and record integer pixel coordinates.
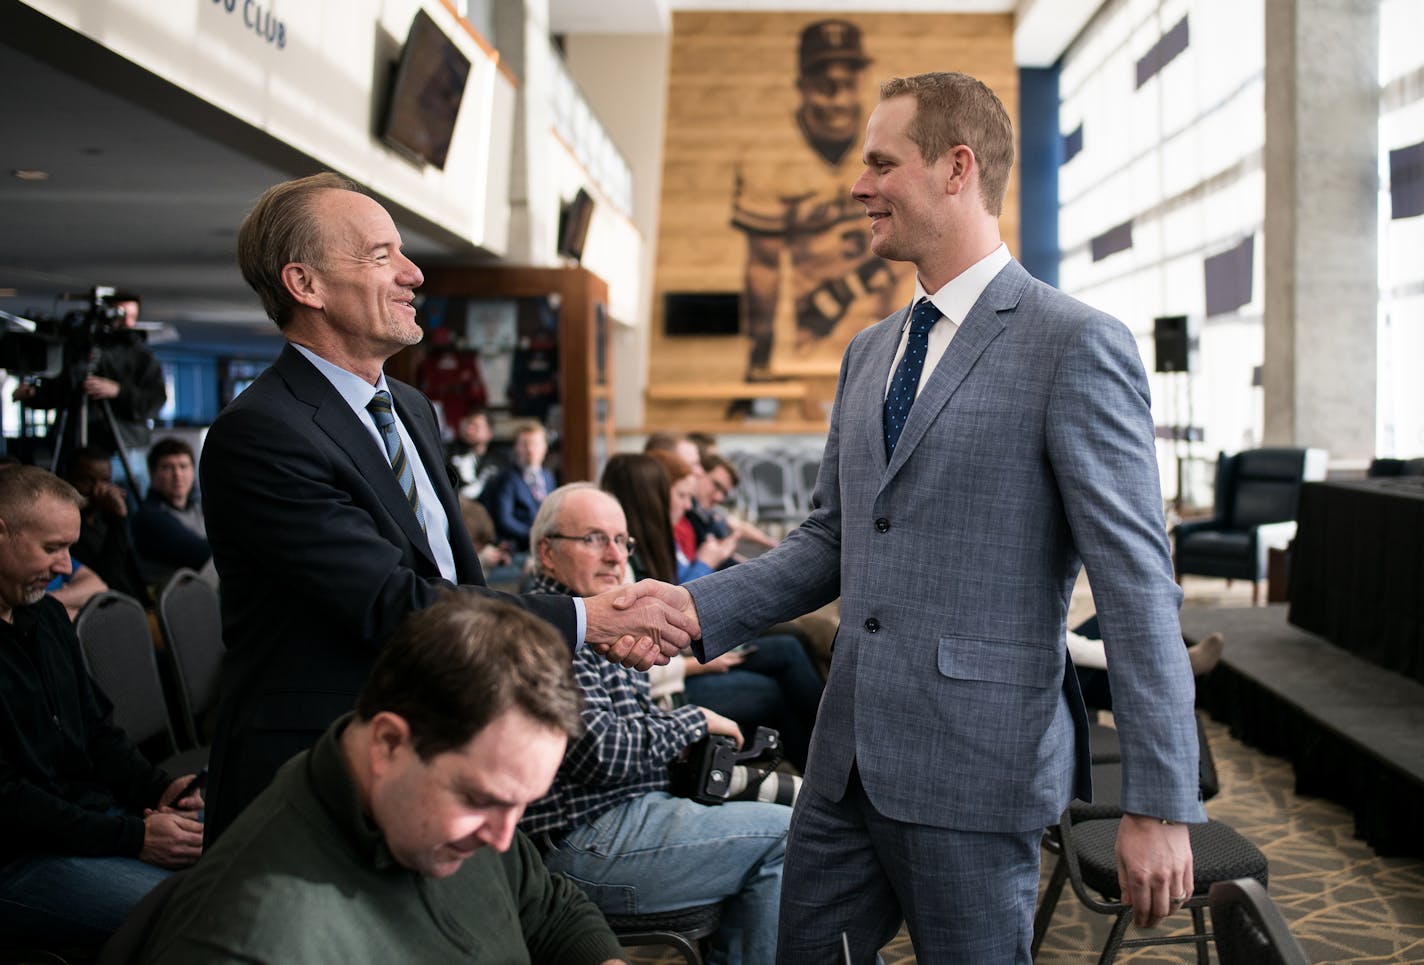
(547, 520)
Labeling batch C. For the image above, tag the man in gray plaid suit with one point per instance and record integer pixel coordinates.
(982, 448)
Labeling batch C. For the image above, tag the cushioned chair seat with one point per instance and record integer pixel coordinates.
(682, 929)
(1088, 859)
(1219, 853)
(1225, 544)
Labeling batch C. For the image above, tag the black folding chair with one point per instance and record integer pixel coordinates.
(1249, 928)
(117, 646)
(191, 623)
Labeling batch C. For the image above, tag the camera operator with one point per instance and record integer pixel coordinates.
(609, 822)
(111, 364)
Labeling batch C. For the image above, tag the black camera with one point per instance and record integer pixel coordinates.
(46, 345)
(707, 774)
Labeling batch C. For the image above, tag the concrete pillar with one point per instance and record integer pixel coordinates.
(1321, 228)
(521, 29)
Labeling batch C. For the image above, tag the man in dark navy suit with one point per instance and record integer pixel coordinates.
(328, 510)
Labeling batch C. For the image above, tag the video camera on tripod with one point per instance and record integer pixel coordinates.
(41, 347)
(65, 349)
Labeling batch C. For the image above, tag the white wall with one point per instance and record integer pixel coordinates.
(624, 78)
(307, 73)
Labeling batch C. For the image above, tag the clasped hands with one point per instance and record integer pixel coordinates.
(172, 834)
(641, 625)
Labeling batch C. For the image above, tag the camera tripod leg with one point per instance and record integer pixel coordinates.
(121, 447)
(58, 433)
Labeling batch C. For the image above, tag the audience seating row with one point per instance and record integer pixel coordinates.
(117, 644)
(776, 487)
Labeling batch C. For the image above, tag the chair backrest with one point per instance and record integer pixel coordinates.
(124, 945)
(117, 645)
(191, 622)
(1261, 486)
(772, 491)
(1249, 928)
(807, 470)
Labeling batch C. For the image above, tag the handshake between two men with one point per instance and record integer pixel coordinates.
(641, 625)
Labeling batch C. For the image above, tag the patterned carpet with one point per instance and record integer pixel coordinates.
(1342, 902)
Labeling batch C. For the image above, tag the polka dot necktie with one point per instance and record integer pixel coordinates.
(907, 374)
(380, 409)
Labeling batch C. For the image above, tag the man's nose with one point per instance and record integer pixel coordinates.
(411, 275)
(498, 831)
(861, 190)
(62, 564)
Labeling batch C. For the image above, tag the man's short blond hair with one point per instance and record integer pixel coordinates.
(953, 109)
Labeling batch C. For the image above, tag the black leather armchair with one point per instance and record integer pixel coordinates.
(1257, 494)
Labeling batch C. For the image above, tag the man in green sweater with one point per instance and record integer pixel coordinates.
(393, 839)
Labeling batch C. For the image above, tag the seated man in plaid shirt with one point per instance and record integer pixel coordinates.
(608, 823)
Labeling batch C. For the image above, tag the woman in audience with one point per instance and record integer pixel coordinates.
(769, 681)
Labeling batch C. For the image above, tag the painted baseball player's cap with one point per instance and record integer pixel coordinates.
(826, 41)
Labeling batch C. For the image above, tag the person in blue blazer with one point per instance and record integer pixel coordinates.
(514, 495)
(985, 443)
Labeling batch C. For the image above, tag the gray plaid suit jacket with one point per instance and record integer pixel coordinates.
(1028, 454)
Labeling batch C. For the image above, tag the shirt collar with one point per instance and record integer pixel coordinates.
(960, 293)
(542, 582)
(357, 392)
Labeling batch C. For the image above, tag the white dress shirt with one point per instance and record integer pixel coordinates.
(954, 301)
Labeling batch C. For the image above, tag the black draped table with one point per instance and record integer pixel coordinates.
(1357, 569)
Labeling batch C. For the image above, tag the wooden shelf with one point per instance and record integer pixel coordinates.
(724, 391)
(749, 427)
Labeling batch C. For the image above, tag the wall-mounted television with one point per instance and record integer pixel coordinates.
(702, 313)
(574, 219)
(426, 91)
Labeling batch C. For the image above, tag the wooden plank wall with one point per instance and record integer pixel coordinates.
(732, 102)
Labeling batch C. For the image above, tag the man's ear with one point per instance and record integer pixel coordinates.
(303, 285)
(960, 168)
(546, 555)
(389, 737)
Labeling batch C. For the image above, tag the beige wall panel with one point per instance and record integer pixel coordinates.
(732, 117)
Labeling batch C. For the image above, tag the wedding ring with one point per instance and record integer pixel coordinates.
(1179, 898)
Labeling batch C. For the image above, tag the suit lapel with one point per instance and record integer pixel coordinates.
(980, 327)
(334, 417)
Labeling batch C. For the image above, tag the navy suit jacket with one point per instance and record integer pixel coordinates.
(1028, 452)
(321, 557)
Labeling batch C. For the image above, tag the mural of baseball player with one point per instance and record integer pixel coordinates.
(803, 229)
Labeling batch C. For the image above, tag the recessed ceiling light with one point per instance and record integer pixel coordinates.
(30, 174)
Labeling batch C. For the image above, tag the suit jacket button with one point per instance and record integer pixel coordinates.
(882, 525)
(872, 625)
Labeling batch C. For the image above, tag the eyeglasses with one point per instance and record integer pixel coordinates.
(599, 541)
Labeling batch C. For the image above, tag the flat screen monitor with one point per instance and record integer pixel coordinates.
(426, 93)
(574, 219)
(702, 313)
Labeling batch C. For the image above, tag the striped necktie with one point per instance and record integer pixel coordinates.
(380, 409)
(907, 374)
